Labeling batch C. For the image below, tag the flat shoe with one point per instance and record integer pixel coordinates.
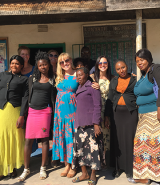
(131, 180)
(23, 176)
(117, 173)
(43, 174)
(78, 180)
(92, 182)
(2, 177)
(13, 174)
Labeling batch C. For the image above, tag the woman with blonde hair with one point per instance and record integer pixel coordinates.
(65, 108)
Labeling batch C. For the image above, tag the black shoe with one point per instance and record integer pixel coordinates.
(117, 173)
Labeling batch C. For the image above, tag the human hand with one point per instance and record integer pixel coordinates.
(97, 130)
(20, 122)
(107, 123)
(95, 85)
(158, 114)
(134, 74)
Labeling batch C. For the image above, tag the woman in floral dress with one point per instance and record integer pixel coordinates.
(103, 76)
(88, 139)
(65, 108)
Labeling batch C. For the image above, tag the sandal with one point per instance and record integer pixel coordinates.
(43, 173)
(78, 180)
(92, 182)
(25, 173)
(133, 181)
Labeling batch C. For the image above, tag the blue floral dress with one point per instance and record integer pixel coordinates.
(64, 117)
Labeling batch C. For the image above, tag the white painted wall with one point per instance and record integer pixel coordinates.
(28, 34)
(70, 33)
(153, 38)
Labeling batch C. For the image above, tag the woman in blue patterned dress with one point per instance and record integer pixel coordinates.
(65, 108)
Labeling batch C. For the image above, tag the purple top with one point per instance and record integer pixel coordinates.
(88, 105)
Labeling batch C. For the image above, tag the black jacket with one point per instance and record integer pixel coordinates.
(114, 96)
(53, 93)
(155, 72)
(14, 89)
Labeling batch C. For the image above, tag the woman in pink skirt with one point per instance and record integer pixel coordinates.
(41, 103)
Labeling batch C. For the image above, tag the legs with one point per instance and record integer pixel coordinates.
(93, 179)
(45, 149)
(66, 170)
(84, 175)
(27, 152)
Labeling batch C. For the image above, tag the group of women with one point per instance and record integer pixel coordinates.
(98, 120)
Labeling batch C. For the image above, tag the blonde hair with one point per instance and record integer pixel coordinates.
(60, 71)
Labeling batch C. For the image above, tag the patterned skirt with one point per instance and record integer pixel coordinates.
(146, 163)
(87, 149)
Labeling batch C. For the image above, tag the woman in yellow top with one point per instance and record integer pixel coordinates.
(103, 77)
(123, 101)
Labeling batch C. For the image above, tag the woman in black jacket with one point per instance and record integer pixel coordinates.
(13, 105)
(123, 101)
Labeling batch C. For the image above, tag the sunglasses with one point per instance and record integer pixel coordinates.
(66, 61)
(50, 55)
(104, 63)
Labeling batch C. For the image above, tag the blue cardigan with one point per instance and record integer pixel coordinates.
(146, 99)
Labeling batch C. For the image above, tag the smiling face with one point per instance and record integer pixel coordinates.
(81, 77)
(121, 69)
(25, 55)
(43, 66)
(66, 63)
(103, 65)
(142, 64)
(15, 66)
(53, 57)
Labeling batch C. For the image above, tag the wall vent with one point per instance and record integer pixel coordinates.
(42, 28)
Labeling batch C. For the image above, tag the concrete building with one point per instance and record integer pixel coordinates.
(106, 26)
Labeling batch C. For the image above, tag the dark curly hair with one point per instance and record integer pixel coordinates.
(79, 59)
(42, 56)
(84, 69)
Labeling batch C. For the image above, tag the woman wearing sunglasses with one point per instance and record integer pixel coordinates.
(103, 77)
(65, 108)
(53, 57)
(123, 101)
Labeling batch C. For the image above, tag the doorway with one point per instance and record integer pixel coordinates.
(34, 48)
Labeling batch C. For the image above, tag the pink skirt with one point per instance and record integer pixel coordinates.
(38, 123)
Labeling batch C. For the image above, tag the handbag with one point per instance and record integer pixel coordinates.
(155, 87)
